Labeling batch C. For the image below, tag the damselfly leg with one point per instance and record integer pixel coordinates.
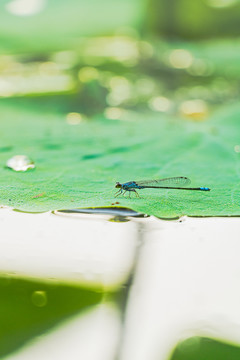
(136, 193)
(119, 192)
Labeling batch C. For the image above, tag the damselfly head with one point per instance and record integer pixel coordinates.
(118, 185)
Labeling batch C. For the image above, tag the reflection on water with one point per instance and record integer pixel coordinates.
(117, 211)
(166, 276)
(181, 290)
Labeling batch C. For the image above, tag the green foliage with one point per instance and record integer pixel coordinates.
(77, 165)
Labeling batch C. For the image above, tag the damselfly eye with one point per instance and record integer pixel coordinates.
(118, 185)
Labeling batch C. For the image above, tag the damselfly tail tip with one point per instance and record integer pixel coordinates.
(205, 189)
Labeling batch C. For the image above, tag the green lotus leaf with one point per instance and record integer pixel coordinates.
(77, 166)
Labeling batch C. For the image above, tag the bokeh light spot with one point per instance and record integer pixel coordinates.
(180, 58)
(159, 103)
(195, 109)
(237, 148)
(25, 7)
(74, 118)
(113, 113)
(87, 74)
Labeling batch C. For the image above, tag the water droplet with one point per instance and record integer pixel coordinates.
(20, 163)
(39, 298)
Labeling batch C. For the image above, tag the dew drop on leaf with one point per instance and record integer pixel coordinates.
(20, 163)
(39, 298)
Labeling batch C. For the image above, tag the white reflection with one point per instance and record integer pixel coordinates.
(25, 7)
(96, 259)
(186, 284)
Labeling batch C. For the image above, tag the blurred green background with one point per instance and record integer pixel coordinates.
(194, 20)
